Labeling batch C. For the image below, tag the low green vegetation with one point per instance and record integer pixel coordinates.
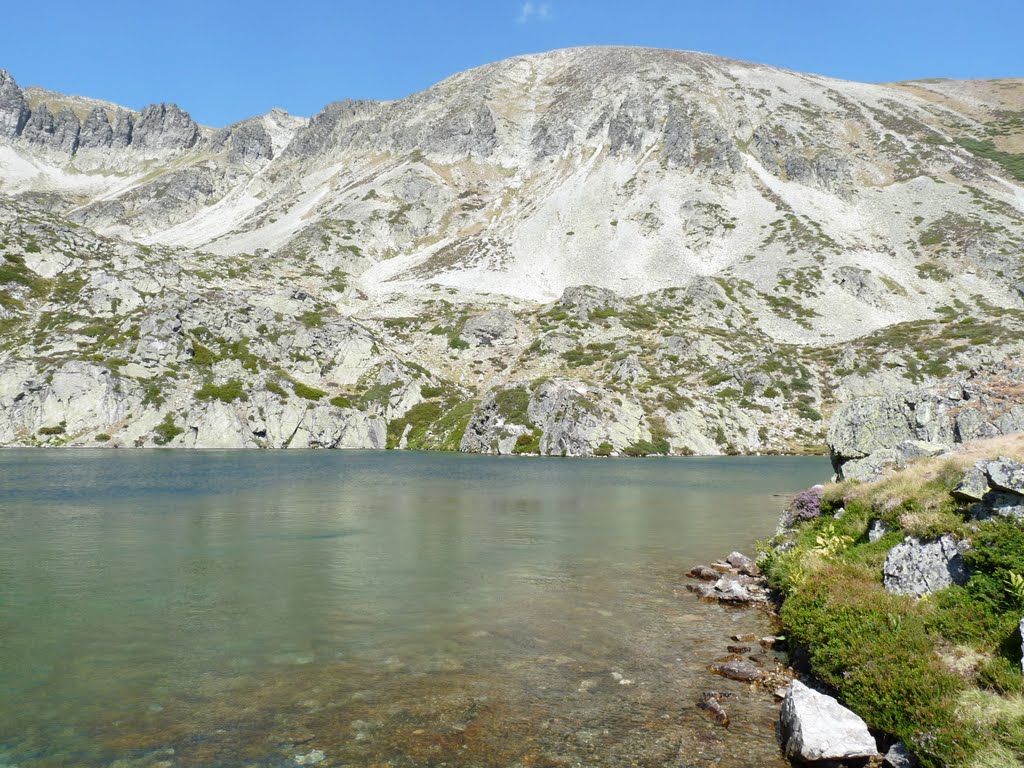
(228, 392)
(432, 425)
(165, 431)
(941, 673)
(1012, 163)
(307, 392)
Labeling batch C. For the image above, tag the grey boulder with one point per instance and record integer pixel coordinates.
(744, 671)
(1006, 475)
(974, 485)
(899, 756)
(490, 328)
(816, 728)
(921, 568)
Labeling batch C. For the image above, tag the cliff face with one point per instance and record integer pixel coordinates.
(652, 250)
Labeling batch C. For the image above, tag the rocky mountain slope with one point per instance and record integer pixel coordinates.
(588, 251)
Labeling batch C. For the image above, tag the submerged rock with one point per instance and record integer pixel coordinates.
(817, 728)
(734, 590)
(709, 702)
(704, 573)
(916, 568)
(744, 671)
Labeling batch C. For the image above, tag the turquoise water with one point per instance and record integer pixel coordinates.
(332, 608)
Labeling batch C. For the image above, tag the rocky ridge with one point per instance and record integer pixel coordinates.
(595, 251)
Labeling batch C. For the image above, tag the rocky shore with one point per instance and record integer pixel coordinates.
(900, 607)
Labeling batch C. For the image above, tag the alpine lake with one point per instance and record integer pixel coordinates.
(176, 608)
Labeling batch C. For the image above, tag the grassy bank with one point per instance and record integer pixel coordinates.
(942, 673)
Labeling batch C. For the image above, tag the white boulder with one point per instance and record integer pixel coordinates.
(817, 728)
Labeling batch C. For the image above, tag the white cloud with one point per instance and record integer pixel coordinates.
(531, 11)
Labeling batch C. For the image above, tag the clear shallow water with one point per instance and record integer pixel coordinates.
(249, 608)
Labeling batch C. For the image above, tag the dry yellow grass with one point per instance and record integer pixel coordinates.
(927, 481)
(907, 482)
(993, 712)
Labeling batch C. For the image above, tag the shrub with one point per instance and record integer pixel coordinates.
(102, 437)
(341, 402)
(876, 651)
(648, 448)
(277, 389)
(513, 405)
(203, 356)
(806, 505)
(528, 442)
(307, 392)
(57, 430)
(312, 319)
(227, 392)
(455, 341)
(604, 449)
(166, 430)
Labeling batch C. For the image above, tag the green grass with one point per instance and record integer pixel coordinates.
(433, 426)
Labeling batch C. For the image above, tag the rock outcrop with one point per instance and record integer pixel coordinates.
(920, 568)
(58, 133)
(97, 132)
(871, 434)
(490, 328)
(246, 142)
(818, 729)
(13, 107)
(996, 487)
(162, 127)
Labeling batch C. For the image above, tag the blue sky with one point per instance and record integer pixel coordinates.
(224, 61)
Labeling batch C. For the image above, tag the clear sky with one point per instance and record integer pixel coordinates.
(224, 61)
